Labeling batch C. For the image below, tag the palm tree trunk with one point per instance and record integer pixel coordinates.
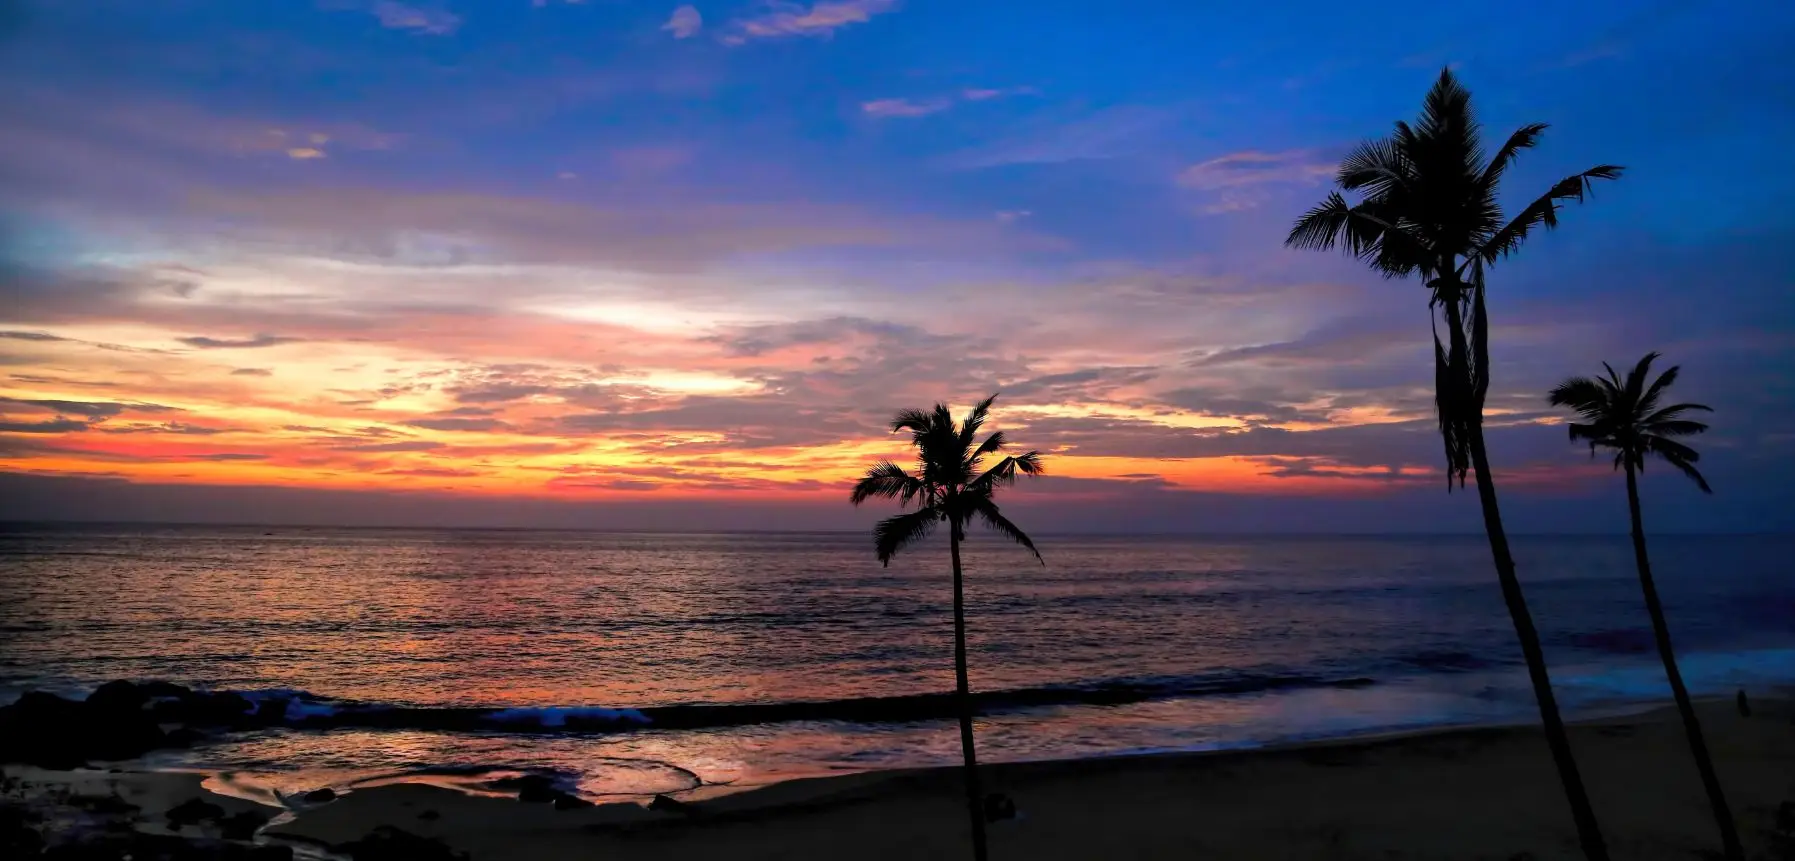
(1589, 831)
(975, 807)
(1723, 816)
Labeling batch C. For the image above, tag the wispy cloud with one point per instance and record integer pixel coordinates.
(684, 23)
(1236, 181)
(206, 343)
(887, 108)
(1252, 167)
(1107, 133)
(979, 94)
(820, 20)
(400, 16)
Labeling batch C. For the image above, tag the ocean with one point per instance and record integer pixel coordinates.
(629, 664)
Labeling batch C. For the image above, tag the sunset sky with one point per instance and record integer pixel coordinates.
(612, 263)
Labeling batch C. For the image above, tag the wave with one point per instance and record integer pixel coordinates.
(302, 710)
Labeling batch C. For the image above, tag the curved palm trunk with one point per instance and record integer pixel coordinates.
(1723, 816)
(1589, 831)
(975, 807)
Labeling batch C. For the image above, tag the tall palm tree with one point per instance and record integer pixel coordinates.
(952, 486)
(1625, 417)
(1428, 207)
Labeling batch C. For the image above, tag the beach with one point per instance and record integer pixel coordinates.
(1485, 792)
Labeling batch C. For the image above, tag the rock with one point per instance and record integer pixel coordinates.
(537, 794)
(242, 825)
(19, 837)
(134, 845)
(49, 731)
(669, 804)
(119, 696)
(182, 737)
(106, 805)
(430, 816)
(1744, 704)
(319, 796)
(272, 710)
(531, 788)
(192, 812)
(386, 843)
(160, 690)
(999, 807)
(565, 801)
(1785, 818)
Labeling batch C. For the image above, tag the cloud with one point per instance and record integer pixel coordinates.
(405, 445)
(884, 108)
(400, 16)
(1252, 167)
(1110, 132)
(305, 153)
(51, 426)
(95, 410)
(176, 428)
(1011, 216)
(820, 20)
(258, 341)
(32, 336)
(460, 424)
(252, 372)
(684, 23)
(982, 94)
(1237, 181)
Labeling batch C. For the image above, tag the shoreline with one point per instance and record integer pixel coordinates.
(1460, 792)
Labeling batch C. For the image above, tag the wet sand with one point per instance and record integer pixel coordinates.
(1458, 794)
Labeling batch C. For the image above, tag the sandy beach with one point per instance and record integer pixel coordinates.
(1459, 794)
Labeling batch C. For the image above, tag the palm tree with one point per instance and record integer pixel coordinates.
(1625, 417)
(1428, 207)
(950, 486)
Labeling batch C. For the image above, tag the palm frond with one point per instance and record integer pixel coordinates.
(1671, 413)
(1683, 458)
(993, 443)
(1003, 473)
(1635, 392)
(888, 480)
(1588, 397)
(1544, 211)
(988, 512)
(895, 533)
(1676, 428)
(1525, 137)
(1323, 227)
(1375, 168)
(1649, 401)
(969, 428)
(913, 420)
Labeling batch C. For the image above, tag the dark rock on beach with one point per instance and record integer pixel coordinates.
(120, 720)
(565, 801)
(669, 804)
(320, 796)
(387, 843)
(192, 812)
(50, 731)
(155, 847)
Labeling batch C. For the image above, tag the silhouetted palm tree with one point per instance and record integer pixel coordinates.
(1428, 207)
(1625, 417)
(950, 486)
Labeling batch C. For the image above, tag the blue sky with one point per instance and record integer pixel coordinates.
(533, 248)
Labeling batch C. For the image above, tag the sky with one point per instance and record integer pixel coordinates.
(660, 265)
